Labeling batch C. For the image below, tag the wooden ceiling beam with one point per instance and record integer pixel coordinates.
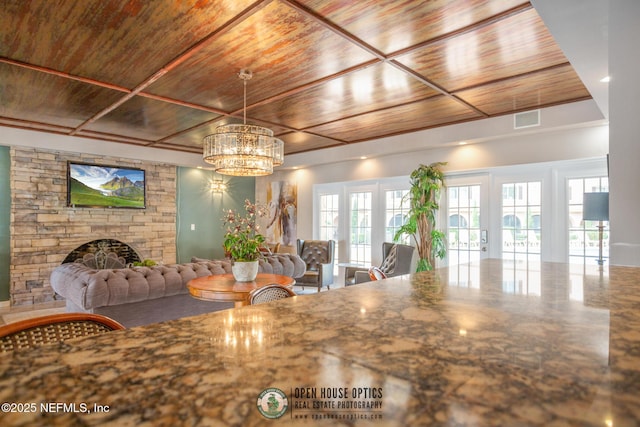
(63, 74)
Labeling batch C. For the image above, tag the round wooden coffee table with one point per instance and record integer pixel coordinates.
(223, 287)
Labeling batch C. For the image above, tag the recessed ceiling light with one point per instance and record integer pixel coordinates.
(605, 79)
(462, 143)
(363, 157)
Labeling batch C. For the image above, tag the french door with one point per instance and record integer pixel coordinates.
(524, 213)
(466, 210)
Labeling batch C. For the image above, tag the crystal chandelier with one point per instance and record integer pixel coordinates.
(242, 149)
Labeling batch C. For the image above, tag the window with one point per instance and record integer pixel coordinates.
(584, 244)
(361, 227)
(464, 223)
(329, 216)
(521, 211)
(360, 216)
(396, 211)
(330, 220)
(525, 212)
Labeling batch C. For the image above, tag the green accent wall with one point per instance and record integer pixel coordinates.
(5, 221)
(198, 205)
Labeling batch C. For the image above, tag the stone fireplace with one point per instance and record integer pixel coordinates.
(45, 232)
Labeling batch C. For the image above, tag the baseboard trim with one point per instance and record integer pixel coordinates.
(6, 303)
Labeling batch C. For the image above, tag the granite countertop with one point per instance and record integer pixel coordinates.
(486, 344)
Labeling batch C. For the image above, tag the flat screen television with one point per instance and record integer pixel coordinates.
(102, 186)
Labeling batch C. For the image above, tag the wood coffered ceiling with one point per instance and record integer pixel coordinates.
(163, 73)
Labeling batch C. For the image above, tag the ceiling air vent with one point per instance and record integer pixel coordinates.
(527, 119)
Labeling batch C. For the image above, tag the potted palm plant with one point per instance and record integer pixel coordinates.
(420, 222)
(242, 241)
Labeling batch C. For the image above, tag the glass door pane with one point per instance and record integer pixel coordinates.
(466, 215)
(330, 219)
(584, 238)
(395, 212)
(360, 227)
(521, 214)
(464, 230)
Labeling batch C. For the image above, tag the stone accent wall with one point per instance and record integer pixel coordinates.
(44, 230)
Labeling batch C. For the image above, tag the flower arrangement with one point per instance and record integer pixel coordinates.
(242, 240)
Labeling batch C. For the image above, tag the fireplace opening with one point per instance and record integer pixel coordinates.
(104, 252)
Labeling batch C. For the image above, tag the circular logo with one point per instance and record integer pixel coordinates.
(272, 403)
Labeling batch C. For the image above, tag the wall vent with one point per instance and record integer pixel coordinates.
(526, 120)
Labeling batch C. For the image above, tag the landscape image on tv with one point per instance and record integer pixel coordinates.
(105, 186)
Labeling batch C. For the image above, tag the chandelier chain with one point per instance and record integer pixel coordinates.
(245, 75)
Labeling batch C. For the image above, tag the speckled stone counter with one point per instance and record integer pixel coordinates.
(489, 344)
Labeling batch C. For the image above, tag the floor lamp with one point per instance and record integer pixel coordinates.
(596, 208)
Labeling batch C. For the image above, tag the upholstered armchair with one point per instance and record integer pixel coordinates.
(396, 261)
(318, 256)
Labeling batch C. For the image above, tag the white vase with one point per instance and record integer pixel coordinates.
(245, 271)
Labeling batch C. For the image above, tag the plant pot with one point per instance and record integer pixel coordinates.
(245, 271)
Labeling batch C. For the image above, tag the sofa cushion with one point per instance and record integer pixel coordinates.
(285, 264)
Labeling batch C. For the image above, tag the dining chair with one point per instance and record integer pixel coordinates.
(318, 255)
(397, 260)
(53, 328)
(269, 293)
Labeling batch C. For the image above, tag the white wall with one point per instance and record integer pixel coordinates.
(73, 144)
(624, 109)
(581, 143)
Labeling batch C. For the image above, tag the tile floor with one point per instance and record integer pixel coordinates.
(12, 314)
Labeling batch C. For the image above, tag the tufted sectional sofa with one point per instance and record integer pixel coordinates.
(141, 295)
